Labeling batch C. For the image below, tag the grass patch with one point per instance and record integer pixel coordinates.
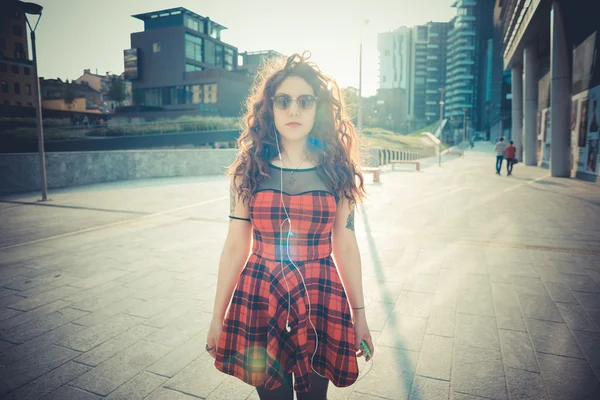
(376, 137)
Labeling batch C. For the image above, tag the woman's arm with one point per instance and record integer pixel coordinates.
(347, 255)
(347, 258)
(234, 254)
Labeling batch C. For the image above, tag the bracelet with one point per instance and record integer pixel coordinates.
(358, 308)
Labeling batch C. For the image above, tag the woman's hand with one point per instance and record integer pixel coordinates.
(362, 332)
(213, 335)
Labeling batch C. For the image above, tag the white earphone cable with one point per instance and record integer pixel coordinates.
(289, 234)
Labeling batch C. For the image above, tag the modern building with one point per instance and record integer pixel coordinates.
(470, 64)
(180, 63)
(413, 60)
(552, 49)
(102, 83)
(434, 67)
(16, 70)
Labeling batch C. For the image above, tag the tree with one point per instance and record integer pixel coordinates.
(116, 91)
(351, 101)
(69, 94)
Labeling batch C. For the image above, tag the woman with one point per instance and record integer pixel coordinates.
(294, 187)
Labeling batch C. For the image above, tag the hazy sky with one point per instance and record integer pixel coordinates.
(78, 34)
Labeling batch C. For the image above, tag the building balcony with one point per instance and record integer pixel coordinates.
(458, 56)
(460, 77)
(465, 62)
(466, 18)
(465, 3)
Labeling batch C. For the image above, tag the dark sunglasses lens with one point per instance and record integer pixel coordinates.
(306, 102)
(282, 102)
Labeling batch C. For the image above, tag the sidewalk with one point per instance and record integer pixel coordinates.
(476, 286)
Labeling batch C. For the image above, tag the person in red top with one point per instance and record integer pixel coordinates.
(511, 151)
(289, 298)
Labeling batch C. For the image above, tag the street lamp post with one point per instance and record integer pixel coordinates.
(464, 124)
(442, 91)
(36, 9)
(359, 102)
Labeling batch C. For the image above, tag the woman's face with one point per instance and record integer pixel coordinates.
(294, 122)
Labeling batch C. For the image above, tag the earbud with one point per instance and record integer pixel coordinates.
(287, 327)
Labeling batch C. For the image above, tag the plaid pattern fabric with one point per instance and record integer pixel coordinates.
(255, 345)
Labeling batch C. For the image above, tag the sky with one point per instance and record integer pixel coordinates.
(74, 35)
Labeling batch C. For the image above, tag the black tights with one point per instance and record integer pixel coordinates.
(318, 390)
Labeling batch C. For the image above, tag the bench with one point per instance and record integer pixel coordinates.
(457, 152)
(374, 171)
(417, 163)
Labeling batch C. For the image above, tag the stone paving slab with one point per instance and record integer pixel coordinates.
(477, 287)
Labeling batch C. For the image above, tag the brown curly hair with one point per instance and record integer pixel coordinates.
(333, 135)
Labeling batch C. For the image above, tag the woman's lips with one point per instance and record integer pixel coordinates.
(294, 124)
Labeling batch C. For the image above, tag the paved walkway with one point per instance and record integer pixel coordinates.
(477, 286)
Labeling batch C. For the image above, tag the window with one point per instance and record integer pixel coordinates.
(219, 56)
(28, 89)
(3, 67)
(4, 87)
(213, 32)
(18, 103)
(26, 70)
(383, 79)
(17, 88)
(193, 47)
(17, 31)
(210, 93)
(193, 94)
(6, 103)
(15, 69)
(19, 51)
(30, 104)
(191, 67)
(193, 24)
(229, 59)
(156, 47)
(209, 52)
(2, 43)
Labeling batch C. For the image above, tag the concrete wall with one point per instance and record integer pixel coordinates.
(21, 172)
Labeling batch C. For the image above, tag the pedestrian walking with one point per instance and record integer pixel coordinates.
(510, 156)
(294, 188)
(500, 149)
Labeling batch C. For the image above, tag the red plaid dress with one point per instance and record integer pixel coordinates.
(255, 345)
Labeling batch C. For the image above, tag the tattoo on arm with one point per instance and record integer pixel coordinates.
(233, 195)
(350, 221)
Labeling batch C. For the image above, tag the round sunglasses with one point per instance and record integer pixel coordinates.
(305, 102)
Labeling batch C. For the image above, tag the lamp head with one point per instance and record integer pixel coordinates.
(30, 8)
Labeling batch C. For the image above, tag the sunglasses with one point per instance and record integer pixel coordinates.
(305, 102)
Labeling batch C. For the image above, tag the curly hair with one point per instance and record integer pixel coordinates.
(333, 135)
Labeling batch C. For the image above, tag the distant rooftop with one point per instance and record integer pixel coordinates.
(173, 11)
